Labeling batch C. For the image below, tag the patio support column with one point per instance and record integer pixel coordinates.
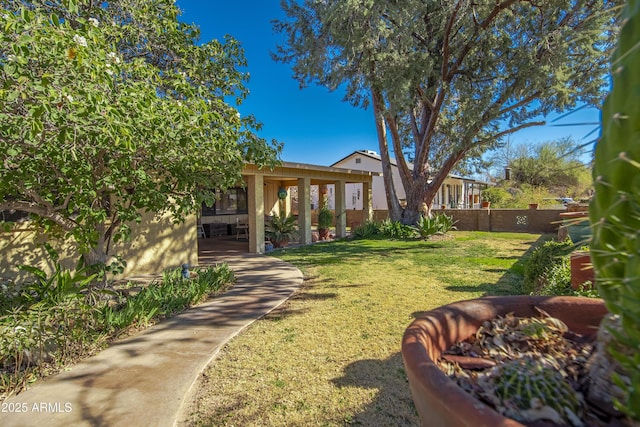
(304, 210)
(366, 201)
(341, 209)
(256, 213)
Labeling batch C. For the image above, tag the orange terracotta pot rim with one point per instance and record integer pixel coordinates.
(438, 400)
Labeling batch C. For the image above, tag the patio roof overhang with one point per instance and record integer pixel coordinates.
(303, 176)
(292, 172)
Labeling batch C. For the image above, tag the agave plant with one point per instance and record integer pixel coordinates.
(614, 215)
(281, 229)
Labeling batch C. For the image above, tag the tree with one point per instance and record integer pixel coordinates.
(554, 165)
(449, 80)
(109, 110)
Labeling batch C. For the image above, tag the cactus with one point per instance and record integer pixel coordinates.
(615, 213)
(530, 389)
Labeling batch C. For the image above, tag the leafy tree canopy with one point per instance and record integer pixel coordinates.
(109, 109)
(555, 166)
(449, 79)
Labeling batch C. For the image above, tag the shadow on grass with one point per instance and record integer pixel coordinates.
(392, 405)
(510, 283)
(336, 252)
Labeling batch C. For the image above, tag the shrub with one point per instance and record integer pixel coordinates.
(548, 268)
(495, 195)
(397, 230)
(325, 218)
(162, 299)
(366, 230)
(44, 324)
(54, 320)
(438, 224)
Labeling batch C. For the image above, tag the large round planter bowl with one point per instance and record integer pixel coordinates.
(438, 399)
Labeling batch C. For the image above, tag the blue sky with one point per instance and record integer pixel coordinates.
(314, 124)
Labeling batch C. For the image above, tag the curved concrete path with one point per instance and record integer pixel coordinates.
(143, 380)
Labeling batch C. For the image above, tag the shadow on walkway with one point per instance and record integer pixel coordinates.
(143, 380)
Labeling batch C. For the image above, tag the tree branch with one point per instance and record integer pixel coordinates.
(472, 42)
(522, 102)
(66, 223)
(509, 131)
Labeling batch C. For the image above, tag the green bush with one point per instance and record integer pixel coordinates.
(366, 230)
(55, 319)
(547, 271)
(495, 195)
(325, 218)
(397, 230)
(162, 299)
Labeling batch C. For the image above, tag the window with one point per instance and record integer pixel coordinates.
(358, 160)
(228, 202)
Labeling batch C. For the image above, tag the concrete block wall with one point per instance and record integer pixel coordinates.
(510, 220)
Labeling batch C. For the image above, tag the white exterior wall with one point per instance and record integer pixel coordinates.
(378, 196)
(452, 193)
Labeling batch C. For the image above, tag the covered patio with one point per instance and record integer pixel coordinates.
(263, 186)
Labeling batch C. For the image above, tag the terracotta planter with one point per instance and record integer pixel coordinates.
(581, 269)
(485, 205)
(533, 206)
(438, 400)
(281, 244)
(323, 233)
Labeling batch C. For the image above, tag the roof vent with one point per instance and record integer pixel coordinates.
(371, 152)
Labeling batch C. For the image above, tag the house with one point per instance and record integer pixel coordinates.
(158, 243)
(455, 193)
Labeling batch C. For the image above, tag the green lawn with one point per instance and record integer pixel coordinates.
(331, 355)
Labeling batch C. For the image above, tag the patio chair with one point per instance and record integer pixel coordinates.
(241, 228)
(201, 232)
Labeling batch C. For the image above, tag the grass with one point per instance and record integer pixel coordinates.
(331, 355)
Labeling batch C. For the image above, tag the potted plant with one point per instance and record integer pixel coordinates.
(486, 202)
(615, 218)
(281, 229)
(325, 220)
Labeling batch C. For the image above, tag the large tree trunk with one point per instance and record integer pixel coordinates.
(96, 258)
(395, 210)
(415, 200)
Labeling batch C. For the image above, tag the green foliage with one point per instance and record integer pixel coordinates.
(438, 224)
(367, 230)
(547, 271)
(325, 218)
(615, 210)
(167, 297)
(548, 268)
(449, 80)
(495, 195)
(43, 324)
(109, 109)
(554, 165)
(281, 229)
(51, 322)
(396, 230)
(387, 228)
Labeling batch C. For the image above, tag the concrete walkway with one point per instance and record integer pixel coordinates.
(143, 380)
